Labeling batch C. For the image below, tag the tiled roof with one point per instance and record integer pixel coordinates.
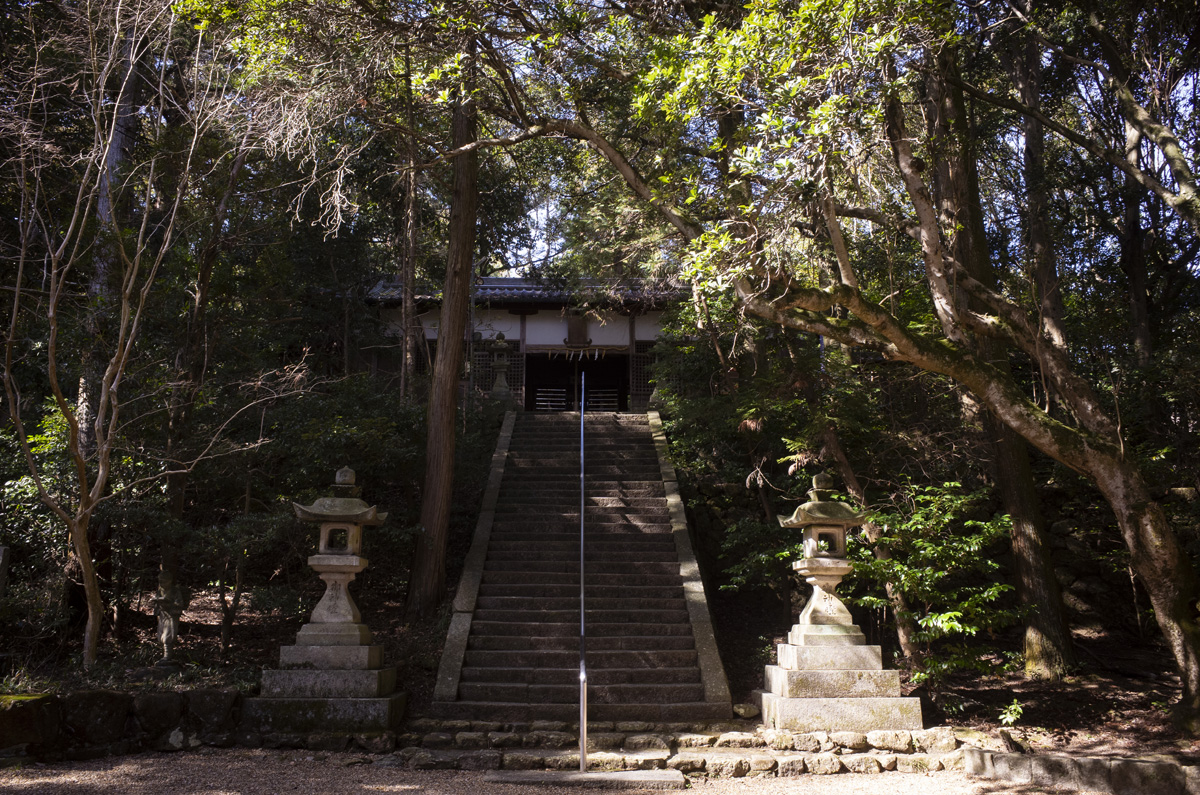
(506, 291)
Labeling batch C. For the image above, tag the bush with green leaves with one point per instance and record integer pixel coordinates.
(942, 557)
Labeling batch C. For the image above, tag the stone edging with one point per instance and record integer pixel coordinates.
(1094, 773)
(712, 673)
(719, 750)
(450, 668)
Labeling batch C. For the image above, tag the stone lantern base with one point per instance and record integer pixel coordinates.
(827, 679)
(327, 688)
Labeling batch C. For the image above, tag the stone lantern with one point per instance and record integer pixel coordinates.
(827, 678)
(335, 620)
(500, 388)
(333, 679)
(825, 523)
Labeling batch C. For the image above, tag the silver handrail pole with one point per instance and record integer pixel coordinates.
(582, 614)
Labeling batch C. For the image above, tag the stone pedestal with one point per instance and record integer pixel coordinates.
(828, 679)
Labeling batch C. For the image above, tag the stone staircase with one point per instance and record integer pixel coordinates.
(650, 654)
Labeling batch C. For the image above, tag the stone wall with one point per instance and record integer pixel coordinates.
(95, 723)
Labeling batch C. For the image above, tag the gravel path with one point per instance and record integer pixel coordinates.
(260, 772)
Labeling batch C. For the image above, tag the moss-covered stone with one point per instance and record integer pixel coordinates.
(29, 720)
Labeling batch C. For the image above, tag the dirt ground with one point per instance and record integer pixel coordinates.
(258, 772)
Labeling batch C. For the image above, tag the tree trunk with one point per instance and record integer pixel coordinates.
(1048, 650)
(78, 530)
(1133, 257)
(1164, 570)
(427, 584)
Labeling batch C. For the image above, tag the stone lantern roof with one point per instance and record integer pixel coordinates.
(348, 508)
(820, 510)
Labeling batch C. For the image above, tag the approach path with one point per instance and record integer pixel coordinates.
(262, 772)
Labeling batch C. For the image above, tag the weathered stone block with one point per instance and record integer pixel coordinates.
(952, 760)
(726, 765)
(551, 739)
(505, 739)
(855, 741)
(826, 635)
(694, 740)
(1053, 770)
(214, 710)
(806, 742)
(687, 762)
(823, 764)
(841, 714)
(651, 759)
(484, 759)
(471, 740)
(295, 683)
(325, 741)
(605, 741)
(343, 658)
(739, 740)
(861, 763)
(1130, 776)
(645, 742)
(351, 715)
(523, 760)
(761, 764)
(1016, 768)
(940, 740)
(791, 766)
(810, 658)
(29, 720)
(832, 684)
(891, 740)
(978, 762)
(916, 763)
(633, 726)
(437, 740)
(376, 743)
(96, 717)
(158, 713)
(549, 726)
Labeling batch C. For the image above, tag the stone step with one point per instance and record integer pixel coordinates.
(535, 641)
(572, 565)
(570, 510)
(501, 526)
(694, 711)
(568, 578)
(522, 588)
(608, 539)
(531, 499)
(526, 658)
(572, 602)
(657, 693)
(568, 629)
(597, 676)
(598, 616)
(657, 553)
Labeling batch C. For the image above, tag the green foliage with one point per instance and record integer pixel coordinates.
(942, 558)
(1011, 714)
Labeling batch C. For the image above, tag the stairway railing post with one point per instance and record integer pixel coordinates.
(582, 612)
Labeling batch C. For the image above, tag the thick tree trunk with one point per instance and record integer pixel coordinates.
(1164, 570)
(427, 585)
(1048, 650)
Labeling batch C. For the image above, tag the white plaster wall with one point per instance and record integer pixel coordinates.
(613, 332)
(490, 322)
(547, 327)
(648, 326)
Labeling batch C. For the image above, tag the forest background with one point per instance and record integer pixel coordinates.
(945, 250)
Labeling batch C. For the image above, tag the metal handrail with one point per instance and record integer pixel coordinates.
(582, 624)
